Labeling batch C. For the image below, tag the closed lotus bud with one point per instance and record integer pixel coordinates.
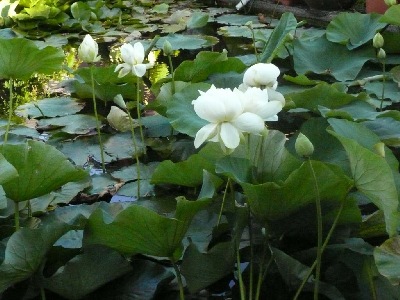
(88, 50)
(167, 48)
(379, 149)
(381, 54)
(378, 41)
(119, 100)
(303, 146)
(390, 2)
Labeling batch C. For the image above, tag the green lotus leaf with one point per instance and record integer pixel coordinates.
(197, 20)
(7, 170)
(41, 168)
(20, 58)
(387, 259)
(81, 11)
(324, 57)
(149, 234)
(188, 42)
(353, 29)
(372, 175)
(86, 272)
(391, 16)
(50, 107)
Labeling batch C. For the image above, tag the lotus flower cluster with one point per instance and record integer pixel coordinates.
(243, 110)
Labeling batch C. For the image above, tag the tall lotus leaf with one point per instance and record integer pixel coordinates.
(322, 95)
(207, 63)
(7, 170)
(26, 250)
(41, 168)
(107, 84)
(391, 16)
(324, 57)
(81, 11)
(203, 269)
(137, 229)
(185, 173)
(271, 201)
(20, 58)
(180, 110)
(373, 177)
(86, 272)
(353, 29)
(278, 38)
(387, 259)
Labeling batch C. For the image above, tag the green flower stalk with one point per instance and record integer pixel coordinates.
(88, 52)
(10, 109)
(167, 49)
(121, 103)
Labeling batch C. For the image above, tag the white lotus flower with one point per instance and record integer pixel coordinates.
(88, 50)
(224, 111)
(262, 75)
(133, 57)
(256, 101)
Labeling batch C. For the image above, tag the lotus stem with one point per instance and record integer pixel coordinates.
(139, 113)
(328, 237)
(136, 153)
(16, 215)
(10, 109)
(97, 122)
(223, 201)
(383, 84)
(251, 258)
(42, 293)
(319, 232)
(171, 66)
(239, 270)
(179, 279)
(363, 81)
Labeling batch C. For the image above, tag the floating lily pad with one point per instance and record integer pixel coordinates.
(188, 42)
(73, 124)
(49, 107)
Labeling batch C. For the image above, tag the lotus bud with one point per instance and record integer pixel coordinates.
(378, 41)
(119, 100)
(390, 2)
(303, 146)
(88, 50)
(381, 54)
(167, 48)
(379, 149)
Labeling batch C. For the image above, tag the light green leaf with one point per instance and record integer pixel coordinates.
(353, 29)
(188, 42)
(73, 124)
(21, 58)
(391, 16)
(197, 19)
(186, 173)
(7, 170)
(81, 11)
(41, 168)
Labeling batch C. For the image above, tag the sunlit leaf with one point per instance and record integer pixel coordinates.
(50, 107)
(391, 16)
(20, 58)
(197, 20)
(7, 170)
(41, 168)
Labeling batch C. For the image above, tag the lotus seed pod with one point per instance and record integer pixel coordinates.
(167, 48)
(381, 54)
(390, 2)
(378, 41)
(303, 146)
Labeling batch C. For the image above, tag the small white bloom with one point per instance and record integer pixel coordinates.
(256, 101)
(224, 111)
(262, 75)
(88, 50)
(133, 57)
